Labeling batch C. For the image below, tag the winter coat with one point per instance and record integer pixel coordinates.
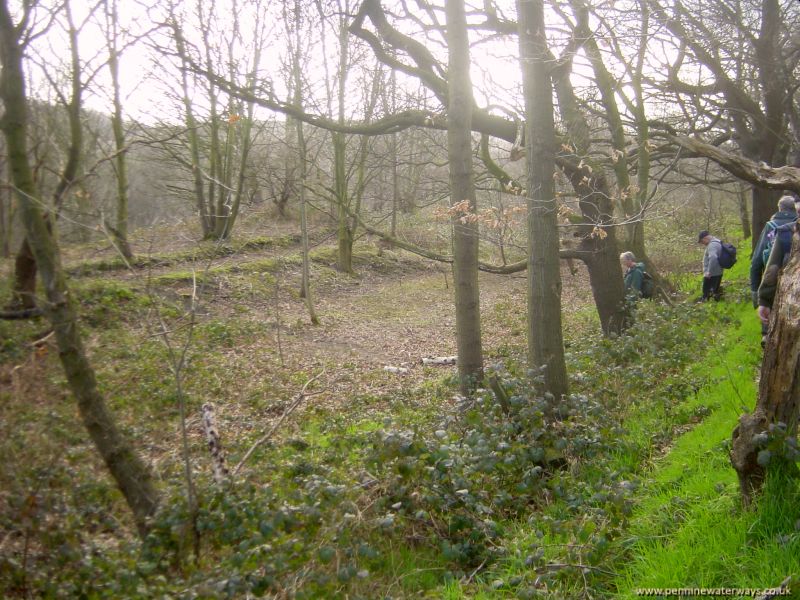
(711, 258)
(633, 280)
(757, 262)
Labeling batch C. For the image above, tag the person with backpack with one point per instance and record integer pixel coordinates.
(778, 257)
(712, 268)
(787, 213)
(638, 283)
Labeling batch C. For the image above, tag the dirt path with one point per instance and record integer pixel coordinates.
(388, 317)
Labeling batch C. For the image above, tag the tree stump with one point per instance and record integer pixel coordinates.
(779, 389)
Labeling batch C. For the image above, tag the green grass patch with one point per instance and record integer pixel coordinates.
(689, 529)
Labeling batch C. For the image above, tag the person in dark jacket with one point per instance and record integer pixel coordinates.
(787, 213)
(712, 270)
(634, 275)
(769, 283)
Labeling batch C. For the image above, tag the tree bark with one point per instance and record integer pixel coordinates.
(204, 206)
(120, 229)
(744, 218)
(598, 248)
(305, 281)
(462, 190)
(779, 388)
(131, 474)
(545, 341)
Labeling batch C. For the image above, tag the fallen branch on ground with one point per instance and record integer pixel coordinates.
(439, 360)
(397, 370)
(214, 444)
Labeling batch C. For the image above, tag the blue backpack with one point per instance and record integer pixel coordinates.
(727, 255)
(781, 232)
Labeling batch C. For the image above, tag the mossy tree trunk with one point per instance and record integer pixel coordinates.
(131, 474)
(25, 267)
(779, 388)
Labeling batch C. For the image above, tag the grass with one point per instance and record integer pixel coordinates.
(687, 528)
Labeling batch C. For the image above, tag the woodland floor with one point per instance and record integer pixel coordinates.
(252, 351)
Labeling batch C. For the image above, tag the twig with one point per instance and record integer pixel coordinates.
(300, 397)
(43, 340)
(475, 572)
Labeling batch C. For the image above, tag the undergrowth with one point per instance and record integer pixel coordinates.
(509, 494)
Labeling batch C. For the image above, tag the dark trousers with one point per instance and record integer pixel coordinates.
(711, 287)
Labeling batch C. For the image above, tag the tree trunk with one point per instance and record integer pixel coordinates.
(462, 192)
(743, 216)
(305, 281)
(545, 341)
(24, 292)
(131, 474)
(779, 388)
(6, 216)
(344, 235)
(598, 247)
(120, 229)
(204, 206)
(600, 252)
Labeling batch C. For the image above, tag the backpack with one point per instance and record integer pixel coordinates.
(782, 233)
(648, 285)
(770, 241)
(727, 255)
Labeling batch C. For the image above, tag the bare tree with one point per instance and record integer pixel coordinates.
(120, 229)
(131, 474)
(746, 48)
(462, 199)
(545, 341)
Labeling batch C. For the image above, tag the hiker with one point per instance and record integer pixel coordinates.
(787, 213)
(634, 275)
(779, 256)
(712, 269)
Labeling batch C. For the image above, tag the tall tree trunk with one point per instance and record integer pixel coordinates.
(629, 194)
(344, 234)
(120, 229)
(393, 156)
(344, 261)
(5, 222)
(779, 388)
(462, 190)
(24, 291)
(204, 206)
(598, 248)
(545, 341)
(131, 474)
(305, 282)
